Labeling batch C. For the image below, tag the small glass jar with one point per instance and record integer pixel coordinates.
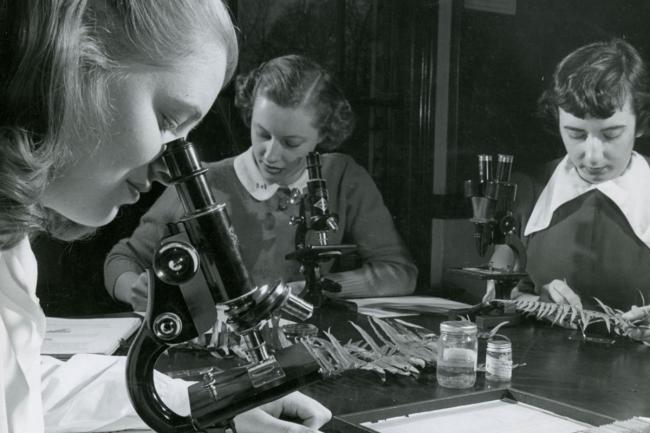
(498, 360)
(457, 353)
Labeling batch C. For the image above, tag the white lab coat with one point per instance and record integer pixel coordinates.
(41, 394)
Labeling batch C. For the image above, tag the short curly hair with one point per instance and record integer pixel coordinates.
(595, 80)
(293, 81)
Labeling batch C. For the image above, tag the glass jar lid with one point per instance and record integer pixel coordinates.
(458, 327)
(500, 346)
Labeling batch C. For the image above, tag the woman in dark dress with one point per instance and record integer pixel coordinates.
(586, 217)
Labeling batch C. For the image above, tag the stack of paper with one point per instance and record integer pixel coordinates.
(101, 336)
(405, 305)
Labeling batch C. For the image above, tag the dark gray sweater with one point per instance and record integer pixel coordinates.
(385, 266)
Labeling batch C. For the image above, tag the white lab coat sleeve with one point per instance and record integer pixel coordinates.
(88, 393)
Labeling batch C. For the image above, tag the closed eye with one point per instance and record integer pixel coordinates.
(614, 133)
(262, 133)
(576, 134)
(293, 143)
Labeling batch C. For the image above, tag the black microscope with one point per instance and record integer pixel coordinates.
(195, 269)
(313, 225)
(492, 196)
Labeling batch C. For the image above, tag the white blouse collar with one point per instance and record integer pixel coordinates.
(630, 192)
(250, 177)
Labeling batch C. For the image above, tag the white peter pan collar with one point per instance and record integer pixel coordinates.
(630, 192)
(250, 177)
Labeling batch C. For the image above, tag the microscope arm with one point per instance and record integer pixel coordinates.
(519, 250)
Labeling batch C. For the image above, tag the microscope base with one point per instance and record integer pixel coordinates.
(487, 321)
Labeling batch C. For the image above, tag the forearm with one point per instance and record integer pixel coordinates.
(525, 290)
(135, 253)
(520, 295)
(376, 279)
(123, 286)
(120, 262)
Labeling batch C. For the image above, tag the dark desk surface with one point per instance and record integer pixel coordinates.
(613, 380)
(610, 380)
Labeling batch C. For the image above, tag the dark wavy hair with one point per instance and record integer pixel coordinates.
(57, 57)
(595, 80)
(291, 81)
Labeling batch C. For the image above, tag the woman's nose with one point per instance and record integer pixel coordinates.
(273, 150)
(158, 172)
(593, 150)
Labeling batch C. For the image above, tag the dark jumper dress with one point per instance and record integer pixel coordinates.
(590, 243)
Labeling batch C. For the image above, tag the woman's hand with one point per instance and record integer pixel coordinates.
(640, 316)
(133, 289)
(297, 287)
(558, 291)
(307, 415)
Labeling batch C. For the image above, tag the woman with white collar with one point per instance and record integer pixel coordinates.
(86, 90)
(293, 107)
(587, 227)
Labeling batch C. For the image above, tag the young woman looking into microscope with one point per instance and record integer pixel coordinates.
(87, 91)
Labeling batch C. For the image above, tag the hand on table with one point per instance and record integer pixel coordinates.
(559, 292)
(309, 416)
(490, 292)
(297, 287)
(640, 316)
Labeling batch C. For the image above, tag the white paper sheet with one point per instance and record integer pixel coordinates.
(100, 336)
(488, 417)
(632, 425)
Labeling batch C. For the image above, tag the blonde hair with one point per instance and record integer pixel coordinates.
(61, 54)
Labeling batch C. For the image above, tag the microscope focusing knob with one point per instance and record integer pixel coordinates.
(333, 224)
(330, 285)
(176, 262)
(167, 326)
(508, 224)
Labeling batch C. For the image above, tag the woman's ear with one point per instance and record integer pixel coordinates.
(642, 125)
